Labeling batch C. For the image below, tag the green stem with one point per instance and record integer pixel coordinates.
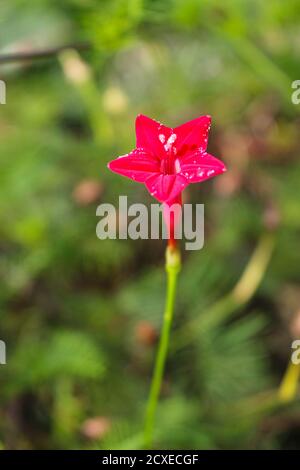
(172, 268)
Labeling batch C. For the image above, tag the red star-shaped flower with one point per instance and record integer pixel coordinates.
(167, 160)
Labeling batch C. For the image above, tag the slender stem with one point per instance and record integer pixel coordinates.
(172, 269)
(289, 384)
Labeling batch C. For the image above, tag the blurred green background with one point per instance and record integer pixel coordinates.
(80, 316)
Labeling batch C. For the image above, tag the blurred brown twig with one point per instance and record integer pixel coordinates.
(41, 53)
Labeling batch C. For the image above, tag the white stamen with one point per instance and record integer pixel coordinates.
(177, 166)
(170, 142)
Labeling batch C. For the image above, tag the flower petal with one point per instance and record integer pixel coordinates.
(166, 187)
(199, 167)
(151, 135)
(137, 165)
(172, 213)
(192, 135)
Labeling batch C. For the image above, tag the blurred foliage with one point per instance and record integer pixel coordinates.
(81, 316)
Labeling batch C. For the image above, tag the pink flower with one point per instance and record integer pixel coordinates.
(167, 160)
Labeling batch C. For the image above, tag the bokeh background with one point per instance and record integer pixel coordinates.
(80, 316)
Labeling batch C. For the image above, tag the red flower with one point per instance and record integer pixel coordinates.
(167, 160)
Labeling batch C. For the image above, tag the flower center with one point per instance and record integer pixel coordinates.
(170, 165)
